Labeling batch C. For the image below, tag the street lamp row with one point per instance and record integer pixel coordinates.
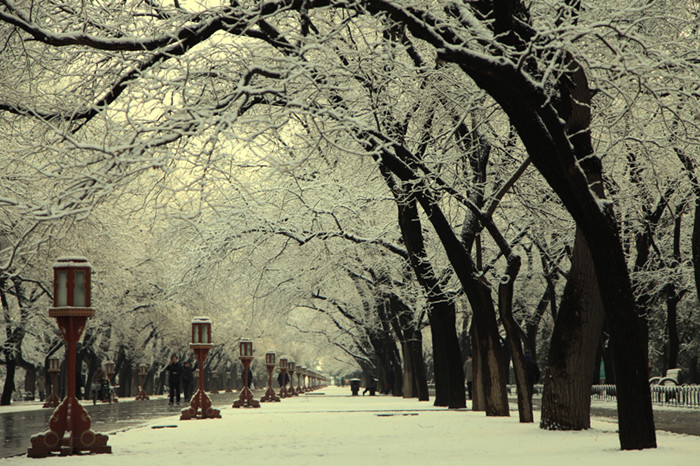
(69, 426)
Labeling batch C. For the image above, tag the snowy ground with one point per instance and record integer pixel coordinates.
(337, 429)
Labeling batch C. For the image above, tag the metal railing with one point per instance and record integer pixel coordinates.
(687, 396)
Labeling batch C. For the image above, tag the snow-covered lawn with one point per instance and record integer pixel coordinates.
(336, 429)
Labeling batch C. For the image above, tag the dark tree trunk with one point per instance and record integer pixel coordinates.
(573, 347)
(545, 137)
(415, 383)
(478, 402)
(505, 307)
(420, 381)
(673, 297)
(449, 373)
(476, 290)
(492, 374)
(696, 244)
(672, 331)
(443, 320)
(9, 386)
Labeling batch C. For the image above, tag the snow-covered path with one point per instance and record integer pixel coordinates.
(337, 429)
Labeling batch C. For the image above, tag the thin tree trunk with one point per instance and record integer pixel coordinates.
(505, 308)
(478, 402)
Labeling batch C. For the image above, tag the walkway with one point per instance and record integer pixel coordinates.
(336, 429)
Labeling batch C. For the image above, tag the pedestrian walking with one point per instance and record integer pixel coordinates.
(371, 386)
(41, 386)
(469, 375)
(280, 381)
(187, 381)
(250, 378)
(174, 378)
(98, 379)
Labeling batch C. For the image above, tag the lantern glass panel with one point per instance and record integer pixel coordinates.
(79, 288)
(206, 338)
(62, 289)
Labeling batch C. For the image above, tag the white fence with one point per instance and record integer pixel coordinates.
(669, 395)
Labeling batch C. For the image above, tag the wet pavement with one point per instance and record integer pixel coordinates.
(679, 421)
(17, 427)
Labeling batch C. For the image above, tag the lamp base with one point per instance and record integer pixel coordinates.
(246, 400)
(52, 401)
(269, 395)
(200, 408)
(69, 433)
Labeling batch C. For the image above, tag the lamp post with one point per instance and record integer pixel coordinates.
(200, 405)
(270, 357)
(245, 400)
(69, 427)
(300, 374)
(110, 396)
(291, 367)
(54, 368)
(143, 370)
(284, 365)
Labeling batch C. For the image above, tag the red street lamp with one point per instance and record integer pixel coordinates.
(200, 405)
(284, 365)
(300, 374)
(245, 400)
(54, 368)
(69, 427)
(291, 366)
(305, 375)
(143, 370)
(270, 357)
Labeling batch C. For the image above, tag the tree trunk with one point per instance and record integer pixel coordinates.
(573, 347)
(443, 319)
(505, 308)
(478, 402)
(492, 382)
(420, 380)
(408, 376)
(673, 298)
(9, 386)
(449, 374)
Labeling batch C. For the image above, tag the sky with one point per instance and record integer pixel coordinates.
(334, 428)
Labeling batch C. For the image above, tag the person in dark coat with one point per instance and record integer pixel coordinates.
(98, 378)
(250, 377)
(187, 381)
(174, 378)
(532, 371)
(469, 375)
(281, 382)
(41, 387)
(371, 386)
